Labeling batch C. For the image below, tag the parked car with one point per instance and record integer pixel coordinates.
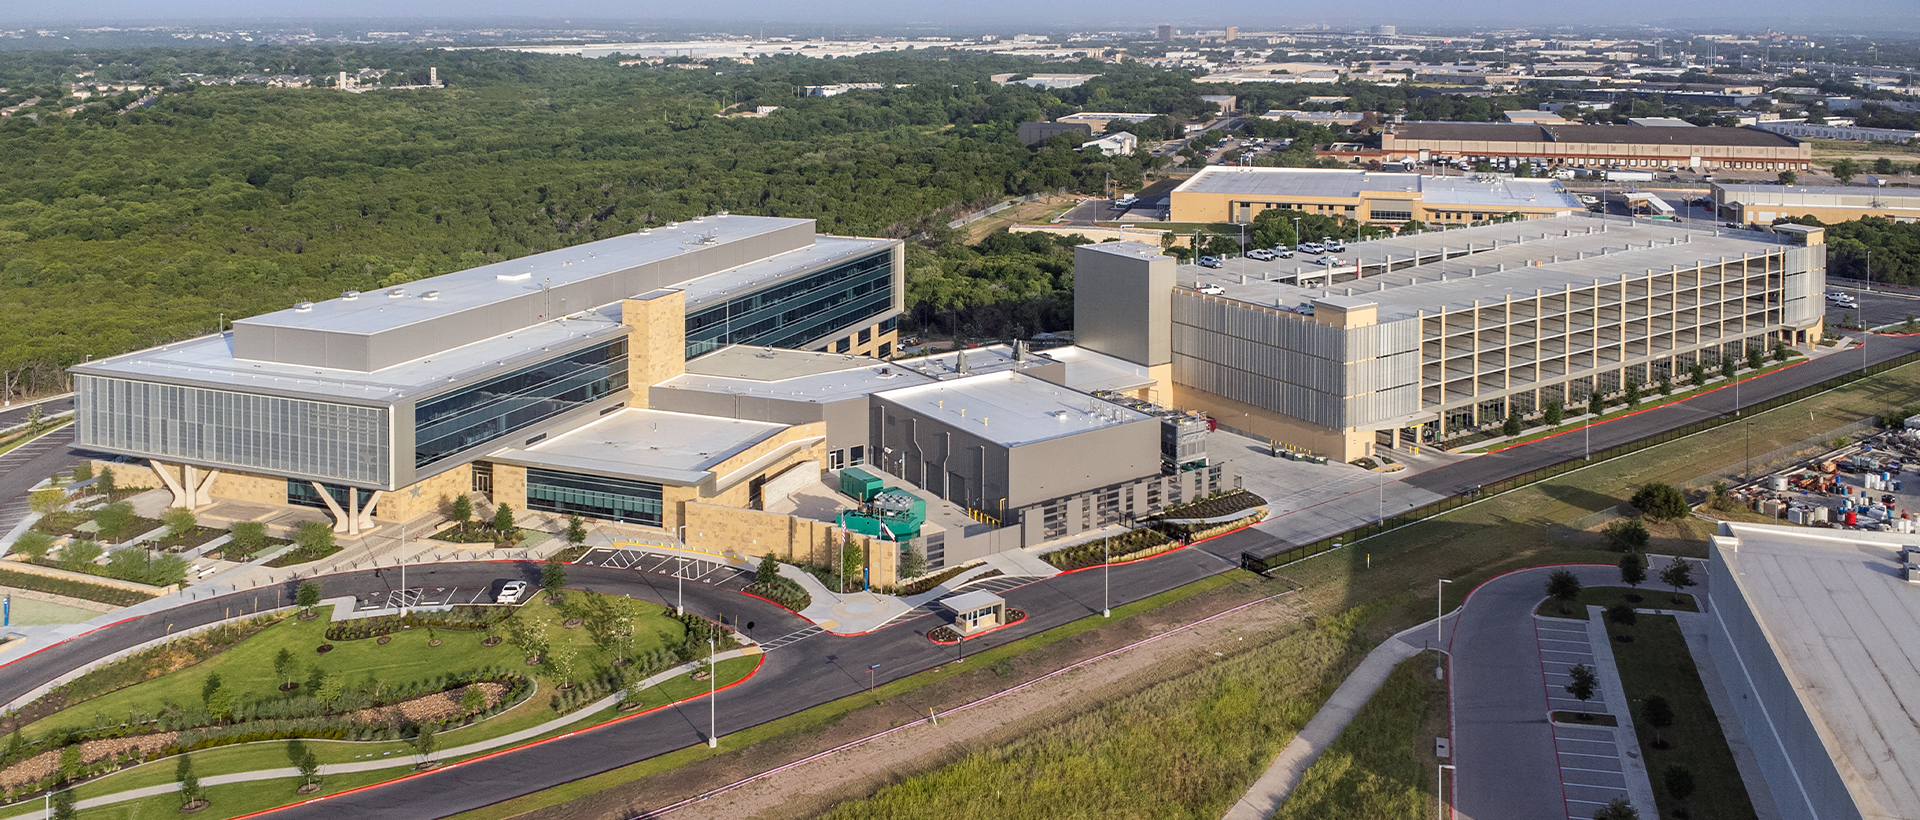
(1209, 261)
(1282, 253)
(511, 593)
(1211, 290)
(1310, 247)
(1305, 309)
(1337, 246)
(1329, 261)
(1261, 254)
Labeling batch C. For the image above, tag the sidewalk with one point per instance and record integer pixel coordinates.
(1626, 740)
(1266, 794)
(406, 759)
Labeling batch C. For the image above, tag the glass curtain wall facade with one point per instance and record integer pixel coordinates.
(302, 493)
(470, 416)
(592, 496)
(797, 311)
(239, 430)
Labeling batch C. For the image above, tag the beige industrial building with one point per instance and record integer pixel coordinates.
(1223, 194)
(1762, 204)
(1419, 337)
(1599, 146)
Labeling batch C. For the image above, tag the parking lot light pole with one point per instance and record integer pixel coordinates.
(679, 582)
(1440, 612)
(713, 683)
(403, 565)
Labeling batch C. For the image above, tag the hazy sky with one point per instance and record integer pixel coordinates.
(1874, 17)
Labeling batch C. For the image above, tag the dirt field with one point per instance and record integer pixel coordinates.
(819, 785)
(1038, 210)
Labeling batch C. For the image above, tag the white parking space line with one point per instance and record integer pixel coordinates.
(1595, 771)
(1558, 640)
(1584, 740)
(1583, 754)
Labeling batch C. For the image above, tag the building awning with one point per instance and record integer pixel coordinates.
(972, 601)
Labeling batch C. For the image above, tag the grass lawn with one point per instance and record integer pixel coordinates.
(1382, 765)
(231, 800)
(1657, 663)
(271, 754)
(1643, 598)
(304, 555)
(249, 665)
(29, 612)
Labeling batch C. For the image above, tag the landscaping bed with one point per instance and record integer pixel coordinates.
(931, 581)
(1608, 596)
(198, 536)
(1658, 663)
(464, 617)
(783, 591)
(304, 555)
(1226, 503)
(73, 589)
(1587, 719)
(1094, 553)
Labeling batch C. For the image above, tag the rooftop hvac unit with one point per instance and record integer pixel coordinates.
(1912, 573)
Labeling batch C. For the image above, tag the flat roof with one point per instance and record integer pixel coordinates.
(969, 601)
(1846, 629)
(1821, 196)
(824, 250)
(209, 361)
(1012, 409)
(791, 375)
(979, 360)
(1577, 132)
(1483, 190)
(1508, 259)
(648, 445)
(1088, 371)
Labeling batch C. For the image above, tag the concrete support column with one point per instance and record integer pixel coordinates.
(181, 498)
(340, 523)
(366, 515)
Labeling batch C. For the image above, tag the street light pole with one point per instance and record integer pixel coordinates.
(713, 683)
(679, 584)
(403, 564)
(1439, 788)
(1106, 577)
(1440, 612)
(1749, 471)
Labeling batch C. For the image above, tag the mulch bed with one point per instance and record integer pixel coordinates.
(947, 635)
(1223, 505)
(1589, 719)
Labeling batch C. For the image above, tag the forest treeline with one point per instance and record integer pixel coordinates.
(123, 230)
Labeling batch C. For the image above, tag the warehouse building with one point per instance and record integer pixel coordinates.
(1813, 634)
(1598, 146)
(1220, 194)
(1422, 336)
(504, 380)
(1762, 204)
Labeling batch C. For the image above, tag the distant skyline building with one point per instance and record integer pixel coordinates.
(1164, 34)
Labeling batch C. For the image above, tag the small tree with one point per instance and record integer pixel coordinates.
(768, 571)
(64, 805)
(114, 520)
(425, 742)
(77, 555)
(34, 544)
(1727, 367)
(1633, 570)
(1780, 351)
(1581, 684)
(553, 576)
(314, 538)
(1595, 404)
(1845, 170)
(1722, 498)
(1666, 386)
(1555, 413)
(47, 501)
(317, 679)
(191, 794)
(1679, 575)
(1697, 375)
(1756, 358)
(1679, 782)
(576, 531)
(179, 522)
(913, 562)
(305, 761)
(1511, 427)
(503, 520)
(105, 484)
(561, 659)
(1658, 714)
(307, 596)
(248, 537)
(83, 471)
(462, 513)
(1660, 501)
(1622, 614)
(1562, 586)
(1627, 534)
(1633, 392)
(1619, 808)
(209, 686)
(284, 666)
(1789, 178)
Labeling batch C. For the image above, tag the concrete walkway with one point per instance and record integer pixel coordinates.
(403, 759)
(1267, 793)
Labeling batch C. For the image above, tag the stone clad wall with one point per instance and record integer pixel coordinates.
(751, 533)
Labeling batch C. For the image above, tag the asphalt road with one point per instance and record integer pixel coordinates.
(29, 464)
(1502, 742)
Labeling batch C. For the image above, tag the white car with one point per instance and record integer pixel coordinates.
(511, 593)
(1261, 254)
(1211, 290)
(1845, 299)
(1329, 261)
(1337, 246)
(1310, 247)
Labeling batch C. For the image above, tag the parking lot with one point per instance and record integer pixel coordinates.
(713, 572)
(415, 597)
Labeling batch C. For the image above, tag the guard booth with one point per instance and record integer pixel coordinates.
(975, 611)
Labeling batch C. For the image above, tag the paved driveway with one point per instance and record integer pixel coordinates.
(1508, 754)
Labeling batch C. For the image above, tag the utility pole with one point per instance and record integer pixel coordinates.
(713, 683)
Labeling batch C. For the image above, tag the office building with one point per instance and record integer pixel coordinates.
(1032, 134)
(378, 406)
(1762, 204)
(1424, 336)
(1223, 194)
(1813, 633)
(1599, 146)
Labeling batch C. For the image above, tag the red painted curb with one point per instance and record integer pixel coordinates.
(528, 745)
(1650, 408)
(1476, 587)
